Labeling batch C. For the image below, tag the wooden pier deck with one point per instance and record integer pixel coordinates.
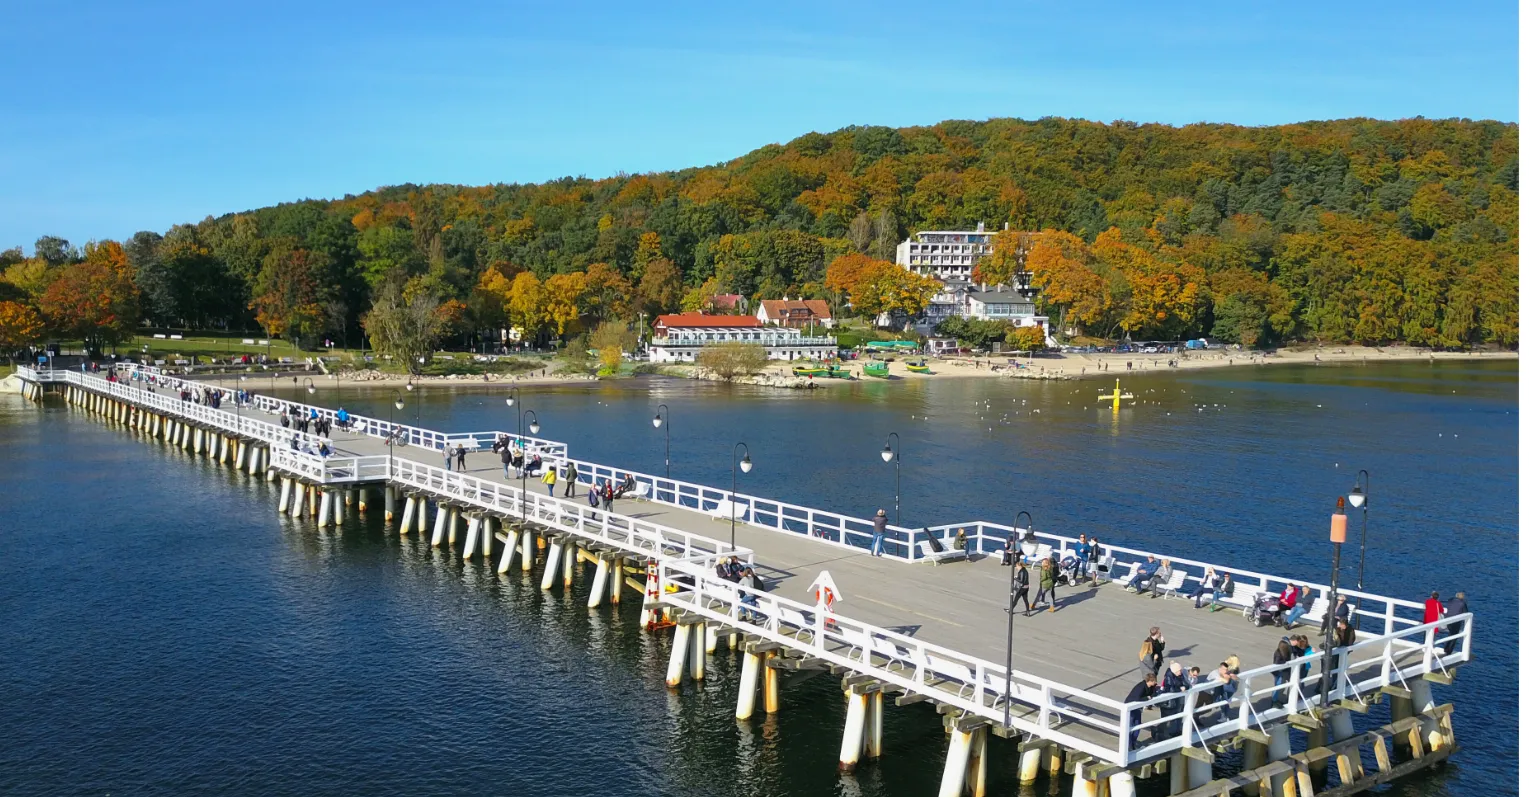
(1090, 642)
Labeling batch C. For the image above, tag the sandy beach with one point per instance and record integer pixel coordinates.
(1089, 366)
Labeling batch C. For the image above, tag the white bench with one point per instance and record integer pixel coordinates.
(1175, 583)
(739, 510)
(948, 670)
(931, 555)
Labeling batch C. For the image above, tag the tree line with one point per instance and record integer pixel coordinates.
(1349, 230)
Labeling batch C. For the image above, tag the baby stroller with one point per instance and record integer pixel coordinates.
(1265, 610)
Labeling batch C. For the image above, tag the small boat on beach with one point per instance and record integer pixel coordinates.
(811, 370)
(877, 369)
(918, 367)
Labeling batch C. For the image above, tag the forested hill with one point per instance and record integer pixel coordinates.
(1342, 230)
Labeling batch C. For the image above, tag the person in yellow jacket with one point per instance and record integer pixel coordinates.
(549, 478)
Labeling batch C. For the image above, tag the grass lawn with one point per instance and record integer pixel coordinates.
(221, 347)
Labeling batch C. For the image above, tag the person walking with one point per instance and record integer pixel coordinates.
(550, 478)
(1020, 589)
(504, 459)
(1094, 552)
(1151, 653)
(878, 531)
(1048, 585)
(608, 495)
(570, 478)
(461, 458)
(446, 452)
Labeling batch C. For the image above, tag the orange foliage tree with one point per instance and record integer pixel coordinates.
(94, 300)
(20, 326)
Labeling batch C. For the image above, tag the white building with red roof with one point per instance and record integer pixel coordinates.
(678, 338)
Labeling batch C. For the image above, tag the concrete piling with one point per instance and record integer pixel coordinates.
(677, 654)
(528, 550)
(552, 569)
(439, 535)
(853, 743)
(507, 556)
(596, 587)
(389, 503)
(697, 653)
(471, 547)
(408, 517)
(748, 685)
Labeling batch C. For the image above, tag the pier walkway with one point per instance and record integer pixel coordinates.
(903, 626)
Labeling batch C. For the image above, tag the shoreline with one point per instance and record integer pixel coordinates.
(1101, 365)
(1055, 367)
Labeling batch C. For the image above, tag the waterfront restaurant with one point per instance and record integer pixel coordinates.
(678, 338)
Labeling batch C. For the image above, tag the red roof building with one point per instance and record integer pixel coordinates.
(702, 321)
(796, 313)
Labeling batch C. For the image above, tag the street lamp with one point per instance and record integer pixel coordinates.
(392, 436)
(1359, 498)
(1008, 659)
(311, 388)
(888, 454)
(658, 421)
(1338, 533)
(409, 386)
(744, 465)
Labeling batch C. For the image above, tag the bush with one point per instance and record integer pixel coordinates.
(730, 360)
(1026, 339)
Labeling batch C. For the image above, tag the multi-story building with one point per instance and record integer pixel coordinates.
(679, 338)
(946, 254)
(798, 313)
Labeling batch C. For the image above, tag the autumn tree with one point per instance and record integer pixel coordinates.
(1006, 261)
(95, 299)
(660, 288)
(607, 294)
(288, 301)
(732, 359)
(611, 339)
(526, 306)
(883, 287)
(20, 326)
(406, 328)
(565, 298)
(1026, 339)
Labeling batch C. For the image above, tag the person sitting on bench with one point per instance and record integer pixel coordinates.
(1160, 578)
(1138, 582)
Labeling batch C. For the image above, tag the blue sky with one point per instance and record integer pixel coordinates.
(126, 116)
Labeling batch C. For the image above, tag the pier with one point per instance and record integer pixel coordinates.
(914, 626)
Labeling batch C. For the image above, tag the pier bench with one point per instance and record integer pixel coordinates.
(931, 555)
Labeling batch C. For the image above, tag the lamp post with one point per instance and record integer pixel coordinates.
(409, 386)
(1337, 534)
(1359, 498)
(1008, 659)
(520, 437)
(895, 456)
(744, 465)
(659, 420)
(397, 405)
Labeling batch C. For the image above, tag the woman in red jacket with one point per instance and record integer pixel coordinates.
(1432, 609)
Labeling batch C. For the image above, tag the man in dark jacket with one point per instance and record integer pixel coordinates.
(1146, 689)
(1454, 607)
(1174, 680)
(1019, 588)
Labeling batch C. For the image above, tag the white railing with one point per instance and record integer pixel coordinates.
(371, 427)
(842, 531)
(1052, 710)
(629, 534)
(1269, 694)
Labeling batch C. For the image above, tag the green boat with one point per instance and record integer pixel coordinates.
(811, 370)
(920, 367)
(877, 369)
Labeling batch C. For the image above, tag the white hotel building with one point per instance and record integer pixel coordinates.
(679, 338)
(947, 255)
